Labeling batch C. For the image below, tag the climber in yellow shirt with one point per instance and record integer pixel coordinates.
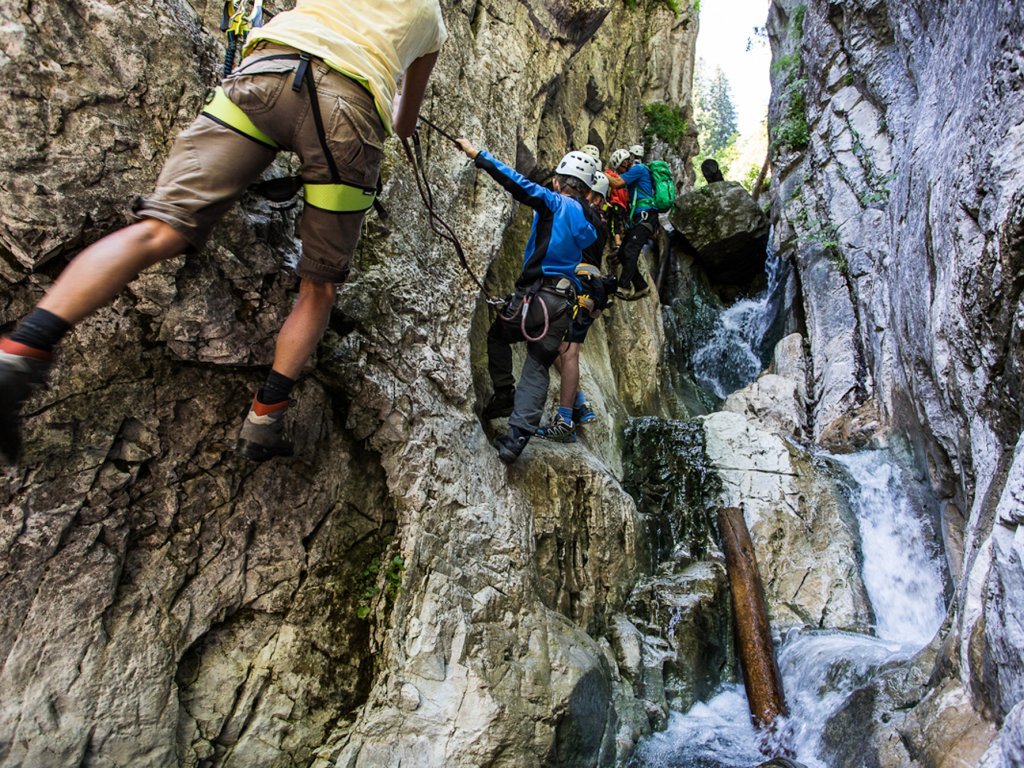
(319, 80)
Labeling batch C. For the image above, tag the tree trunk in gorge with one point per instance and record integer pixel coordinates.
(761, 675)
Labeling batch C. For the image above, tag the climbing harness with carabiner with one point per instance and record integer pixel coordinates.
(236, 24)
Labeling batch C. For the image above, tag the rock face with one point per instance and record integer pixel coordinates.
(395, 594)
(898, 194)
(811, 567)
(777, 401)
(728, 230)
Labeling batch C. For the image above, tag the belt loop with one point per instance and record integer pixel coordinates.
(300, 72)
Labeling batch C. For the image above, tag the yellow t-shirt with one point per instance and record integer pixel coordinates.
(371, 41)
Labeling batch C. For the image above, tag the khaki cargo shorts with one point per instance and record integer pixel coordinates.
(211, 165)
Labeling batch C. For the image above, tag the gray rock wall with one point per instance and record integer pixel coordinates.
(167, 603)
(903, 215)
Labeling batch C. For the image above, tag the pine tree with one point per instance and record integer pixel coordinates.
(716, 115)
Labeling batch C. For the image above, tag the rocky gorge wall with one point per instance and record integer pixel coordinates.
(898, 194)
(394, 594)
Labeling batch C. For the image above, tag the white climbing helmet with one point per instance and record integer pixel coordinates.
(600, 185)
(578, 164)
(637, 151)
(593, 151)
(617, 158)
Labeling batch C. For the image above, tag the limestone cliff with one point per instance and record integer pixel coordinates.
(395, 593)
(898, 193)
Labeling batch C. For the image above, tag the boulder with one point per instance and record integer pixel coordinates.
(777, 401)
(727, 229)
(804, 534)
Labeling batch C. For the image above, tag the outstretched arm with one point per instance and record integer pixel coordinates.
(521, 188)
(414, 88)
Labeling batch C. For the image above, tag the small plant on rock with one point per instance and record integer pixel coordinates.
(665, 122)
(792, 130)
(370, 583)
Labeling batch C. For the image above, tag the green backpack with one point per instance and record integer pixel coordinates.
(664, 187)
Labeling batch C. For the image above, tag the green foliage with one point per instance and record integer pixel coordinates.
(796, 24)
(372, 581)
(792, 130)
(715, 114)
(750, 178)
(879, 193)
(665, 122)
(676, 6)
(839, 261)
(825, 234)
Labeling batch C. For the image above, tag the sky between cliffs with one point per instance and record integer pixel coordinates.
(725, 28)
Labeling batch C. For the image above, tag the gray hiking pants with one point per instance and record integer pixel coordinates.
(532, 390)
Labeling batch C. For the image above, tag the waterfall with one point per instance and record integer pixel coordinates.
(739, 346)
(902, 572)
(820, 669)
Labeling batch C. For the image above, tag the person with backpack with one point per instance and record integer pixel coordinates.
(617, 203)
(651, 191)
(541, 310)
(329, 63)
(573, 408)
(635, 178)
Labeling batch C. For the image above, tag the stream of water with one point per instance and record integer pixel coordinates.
(905, 584)
(738, 347)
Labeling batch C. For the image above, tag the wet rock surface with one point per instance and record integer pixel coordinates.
(900, 207)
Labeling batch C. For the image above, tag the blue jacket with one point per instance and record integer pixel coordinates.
(641, 187)
(560, 228)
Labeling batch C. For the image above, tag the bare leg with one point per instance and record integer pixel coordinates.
(305, 325)
(101, 271)
(569, 367)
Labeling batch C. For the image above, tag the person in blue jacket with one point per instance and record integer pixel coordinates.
(540, 312)
(636, 177)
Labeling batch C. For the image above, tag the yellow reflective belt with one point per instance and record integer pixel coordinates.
(222, 109)
(339, 198)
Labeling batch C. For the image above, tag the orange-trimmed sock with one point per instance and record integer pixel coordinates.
(275, 391)
(12, 347)
(264, 409)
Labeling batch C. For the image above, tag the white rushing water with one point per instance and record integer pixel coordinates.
(904, 579)
(732, 356)
(902, 572)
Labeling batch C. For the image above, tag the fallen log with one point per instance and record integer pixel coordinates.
(761, 675)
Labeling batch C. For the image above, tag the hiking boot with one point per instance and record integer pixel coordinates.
(511, 445)
(262, 436)
(501, 403)
(20, 376)
(632, 293)
(583, 414)
(641, 291)
(559, 431)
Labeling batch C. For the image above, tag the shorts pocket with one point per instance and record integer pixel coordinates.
(356, 139)
(256, 85)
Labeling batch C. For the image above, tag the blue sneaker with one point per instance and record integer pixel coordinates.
(559, 431)
(583, 414)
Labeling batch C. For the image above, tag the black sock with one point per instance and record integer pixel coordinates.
(40, 330)
(275, 389)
